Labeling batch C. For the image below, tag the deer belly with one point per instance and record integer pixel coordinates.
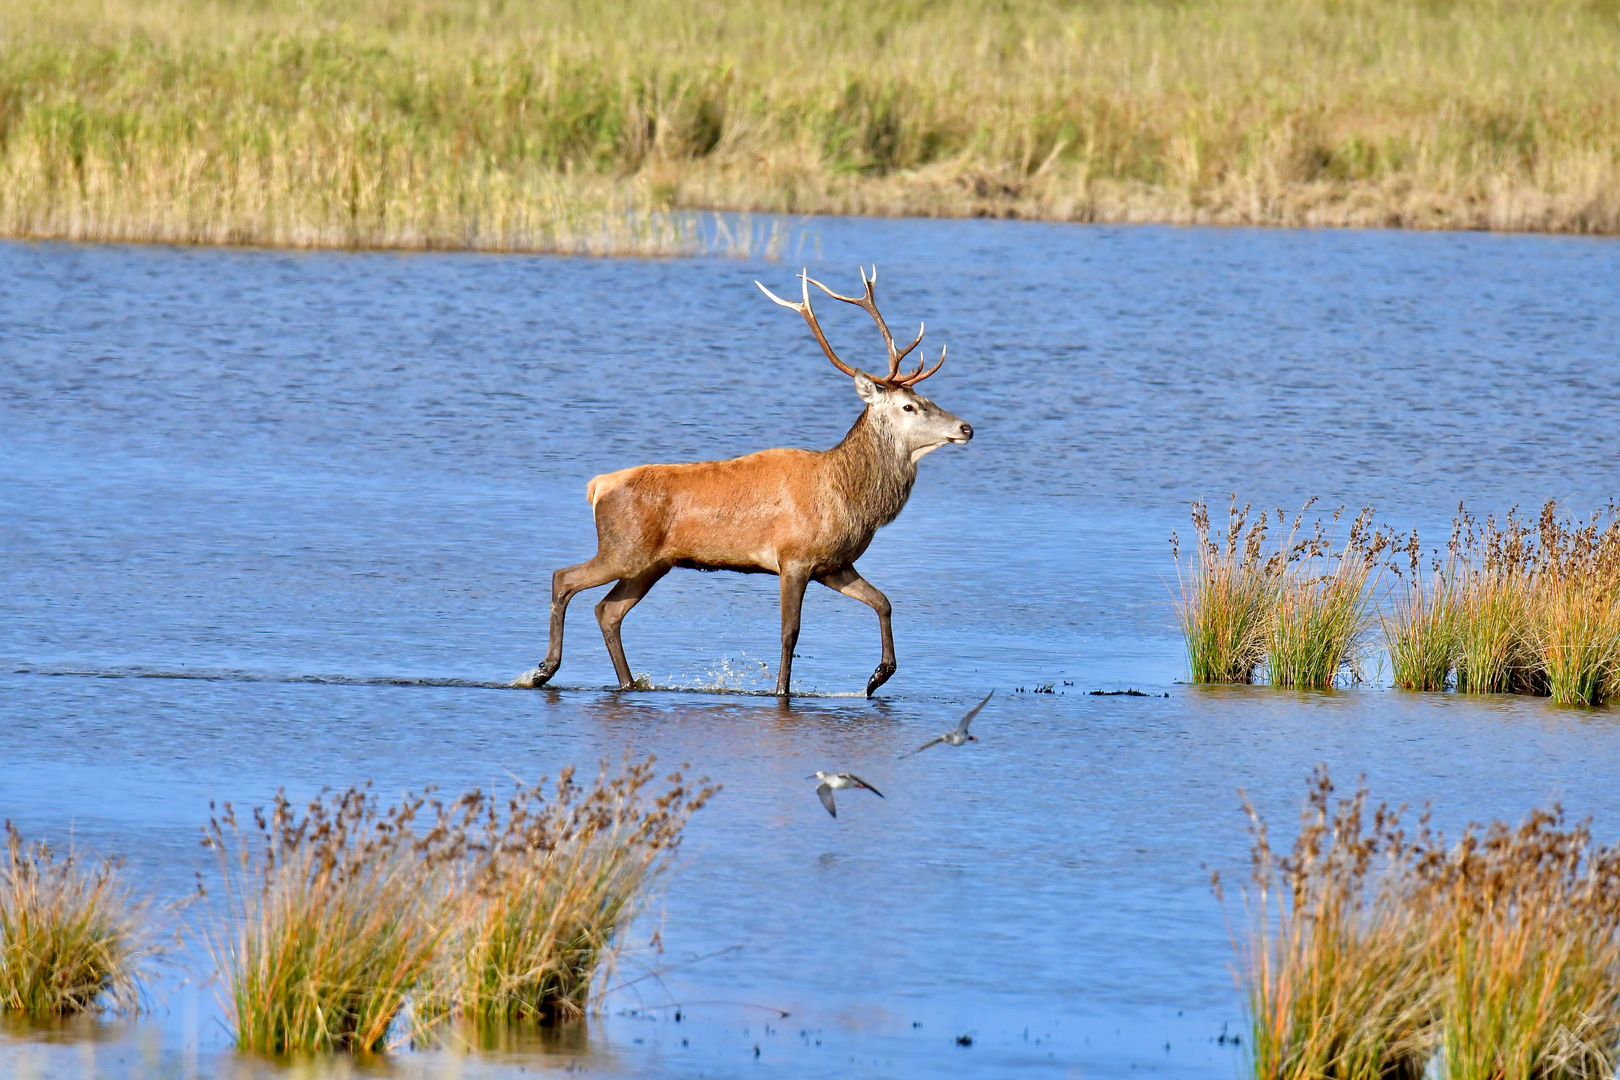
(717, 540)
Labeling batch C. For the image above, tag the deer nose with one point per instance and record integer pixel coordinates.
(967, 431)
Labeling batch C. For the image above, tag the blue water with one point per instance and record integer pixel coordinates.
(279, 519)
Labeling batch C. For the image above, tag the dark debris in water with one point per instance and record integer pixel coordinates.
(964, 1040)
(1131, 692)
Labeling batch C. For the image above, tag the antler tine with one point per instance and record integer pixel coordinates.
(869, 303)
(919, 375)
(810, 317)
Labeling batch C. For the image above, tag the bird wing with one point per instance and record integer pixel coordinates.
(825, 791)
(961, 728)
(926, 745)
(865, 785)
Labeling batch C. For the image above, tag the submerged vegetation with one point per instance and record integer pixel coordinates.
(1509, 608)
(334, 921)
(1371, 953)
(72, 939)
(558, 126)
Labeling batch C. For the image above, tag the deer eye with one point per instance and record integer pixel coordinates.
(908, 408)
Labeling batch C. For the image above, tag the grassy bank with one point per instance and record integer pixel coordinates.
(474, 123)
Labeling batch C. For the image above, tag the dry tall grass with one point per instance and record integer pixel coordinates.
(1510, 607)
(72, 939)
(1301, 605)
(1371, 953)
(548, 888)
(1421, 624)
(328, 920)
(335, 921)
(453, 123)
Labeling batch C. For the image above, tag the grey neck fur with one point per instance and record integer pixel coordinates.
(873, 472)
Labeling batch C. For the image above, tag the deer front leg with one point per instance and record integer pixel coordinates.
(564, 584)
(851, 584)
(794, 583)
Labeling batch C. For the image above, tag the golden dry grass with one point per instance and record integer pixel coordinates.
(72, 939)
(349, 926)
(476, 123)
(1374, 954)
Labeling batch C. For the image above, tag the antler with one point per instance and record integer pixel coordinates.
(867, 303)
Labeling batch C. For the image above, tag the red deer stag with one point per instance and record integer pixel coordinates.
(803, 515)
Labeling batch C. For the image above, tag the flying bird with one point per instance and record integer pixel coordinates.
(838, 780)
(960, 735)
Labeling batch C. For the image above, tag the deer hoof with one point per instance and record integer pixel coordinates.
(534, 680)
(879, 677)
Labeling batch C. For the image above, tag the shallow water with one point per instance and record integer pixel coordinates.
(274, 519)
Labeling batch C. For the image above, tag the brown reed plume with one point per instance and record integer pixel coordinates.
(547, 888)
(1371, 953)
(72, 938)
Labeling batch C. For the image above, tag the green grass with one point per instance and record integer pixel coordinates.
(72, 939)
(552, 125)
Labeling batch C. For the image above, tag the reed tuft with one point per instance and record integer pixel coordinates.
(547, 889)
(1324, 606)
(1421, 625)
(338, 922)
(330, 919)
(1226, 598)
(1374, 954)
(71, 936)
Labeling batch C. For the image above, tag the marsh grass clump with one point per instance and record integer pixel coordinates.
(1300, 606)
(330, 919)
(1323, 606)
(1421, 621)
(1371, 953)
(1493, 602)
(1334, 962)
(349, 926)
(546, 889)
(1575, 616)
(72, 938)
(1227, 597)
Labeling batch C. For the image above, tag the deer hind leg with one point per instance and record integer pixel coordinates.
(612, 609)
(564, 584)
(851, 584)
(794, 583)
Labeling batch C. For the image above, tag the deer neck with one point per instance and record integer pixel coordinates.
(872, 471)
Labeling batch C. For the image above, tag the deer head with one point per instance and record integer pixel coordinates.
(913, 423)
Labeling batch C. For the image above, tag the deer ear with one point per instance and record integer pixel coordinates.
(868, 389)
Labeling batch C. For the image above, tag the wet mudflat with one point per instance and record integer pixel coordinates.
(289, 520)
